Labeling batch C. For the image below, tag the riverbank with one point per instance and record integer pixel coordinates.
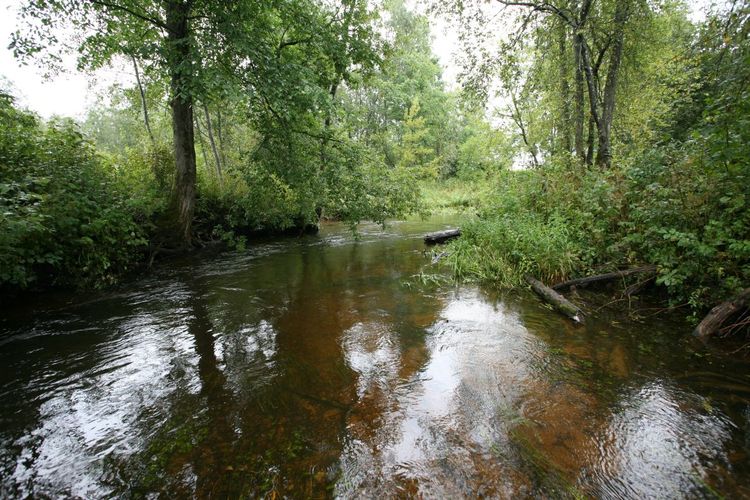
(554, 224)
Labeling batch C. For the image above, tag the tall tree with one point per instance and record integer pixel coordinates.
(202, 48)
(165, 34)
(595, 36)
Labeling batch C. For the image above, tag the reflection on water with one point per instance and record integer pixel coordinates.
(317, 368)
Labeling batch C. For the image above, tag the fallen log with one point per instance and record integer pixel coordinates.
(716, 317)
(560, 303)
(441, 236)
(604, 277)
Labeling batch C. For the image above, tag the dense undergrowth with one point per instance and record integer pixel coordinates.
(75, 216)
(65, 212)
(562, 222)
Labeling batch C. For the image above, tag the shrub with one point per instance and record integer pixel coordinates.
(64, 218)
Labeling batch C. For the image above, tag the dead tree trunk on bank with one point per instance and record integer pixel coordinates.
(716, 318)
(177, 21)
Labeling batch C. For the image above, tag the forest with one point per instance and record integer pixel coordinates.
(584, 136)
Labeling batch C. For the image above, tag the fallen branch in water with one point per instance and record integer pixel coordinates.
(716, 317)
(638, 286)
(604, 277)
(560, 303)
(436, 258)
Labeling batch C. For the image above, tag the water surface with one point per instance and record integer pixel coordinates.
(325, 366)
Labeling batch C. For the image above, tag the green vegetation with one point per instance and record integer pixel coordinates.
(669, 185)
(629, 123)
(65, 213)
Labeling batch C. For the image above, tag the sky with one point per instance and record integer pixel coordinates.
(72, 92)
(68, 94)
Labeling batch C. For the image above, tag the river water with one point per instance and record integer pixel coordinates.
(325, 366)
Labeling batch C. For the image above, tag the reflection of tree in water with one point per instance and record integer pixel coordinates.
(213, 457)
(190, 454)
(315, 389)
(315, 402)
(275, 417)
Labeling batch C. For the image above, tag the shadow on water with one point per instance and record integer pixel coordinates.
(316, 367)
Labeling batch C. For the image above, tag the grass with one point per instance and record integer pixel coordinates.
(502, 250)
(453, 195)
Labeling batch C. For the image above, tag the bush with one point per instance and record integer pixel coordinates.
(64, 217)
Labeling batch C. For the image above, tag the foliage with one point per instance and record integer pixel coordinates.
(64, 217)
(515, 234)
(676, 193)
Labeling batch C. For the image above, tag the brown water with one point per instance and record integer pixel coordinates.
(320, 367)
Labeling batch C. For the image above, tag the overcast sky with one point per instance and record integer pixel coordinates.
(70, 93)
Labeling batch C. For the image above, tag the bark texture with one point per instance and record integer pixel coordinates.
(560, 303)
(716, 318)
(177, 17)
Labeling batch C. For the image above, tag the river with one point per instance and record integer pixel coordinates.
(329, 366)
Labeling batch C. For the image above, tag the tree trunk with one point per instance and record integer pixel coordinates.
(590, 83)
(184, 147)
(716, 318)
(560, 303)
(179, 60)
(604, 153)
(516, 115)
(579, 103)
(143, 99)
(217, 159)
(220, 135)
(565, 117)
(201, 142)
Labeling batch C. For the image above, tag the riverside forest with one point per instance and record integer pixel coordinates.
(376, 249)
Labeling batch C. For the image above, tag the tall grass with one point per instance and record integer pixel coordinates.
(502, 249)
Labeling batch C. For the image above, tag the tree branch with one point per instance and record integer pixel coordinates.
(542, 7)
(143, 17)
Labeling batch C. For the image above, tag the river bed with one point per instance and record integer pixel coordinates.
(329, 366)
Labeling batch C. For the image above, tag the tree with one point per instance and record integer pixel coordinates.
(598, 35)
(204, 48)
(174, 36)
(379, 107)
(413, 151)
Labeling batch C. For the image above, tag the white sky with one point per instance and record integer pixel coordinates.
(70, 93)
